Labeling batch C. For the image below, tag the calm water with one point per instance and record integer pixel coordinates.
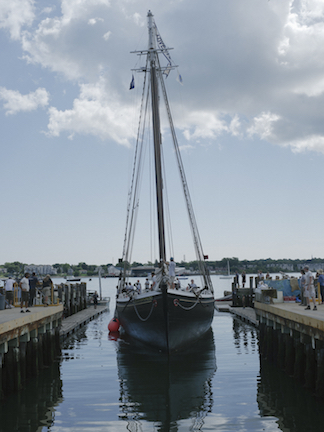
(101, 384)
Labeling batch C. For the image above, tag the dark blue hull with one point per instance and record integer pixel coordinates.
(166, 321)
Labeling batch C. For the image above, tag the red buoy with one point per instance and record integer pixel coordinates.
(113, 326)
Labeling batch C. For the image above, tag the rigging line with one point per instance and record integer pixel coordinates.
(167, 206)
(137, 184)
(133, 195)
(193, 223)
(151, 191)
(133, 173)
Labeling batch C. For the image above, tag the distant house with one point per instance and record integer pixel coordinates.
(142, 271)
(314, 267)
(113, 271)
(40, 269)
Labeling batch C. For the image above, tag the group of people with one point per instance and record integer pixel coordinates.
(307, 287)
(173, 282)
(28, 288)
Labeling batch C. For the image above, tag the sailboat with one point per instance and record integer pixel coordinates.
(161, 315)
(228, 276)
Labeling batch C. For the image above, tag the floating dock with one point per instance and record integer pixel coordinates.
(76, 321)
(246, 314)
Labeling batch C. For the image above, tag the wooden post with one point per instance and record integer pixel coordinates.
(1, 363)
(319, 293)
(320, 373)
(234, 300)
(300, 361)
(310, 369)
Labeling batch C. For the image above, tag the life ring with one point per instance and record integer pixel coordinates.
(176, 302)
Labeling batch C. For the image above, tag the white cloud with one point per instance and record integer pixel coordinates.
(96, 112)
(269, 69)
(202, 125)
(16, 102)
(47, 10)
(93, 21)
(262, 125)
(62, 43)
(310, 143)
(14, 14)
(301, 48)
(138, 19)
(76, 9)
(235, 126)
(106, 36)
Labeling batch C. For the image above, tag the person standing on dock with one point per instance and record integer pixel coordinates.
(309, 288)
(243, 279)
(260, 276)
(33, 281)
(302, 288)
(95, 299)
(321, 282)
(24, 285)
(9, 287)
(46, 291)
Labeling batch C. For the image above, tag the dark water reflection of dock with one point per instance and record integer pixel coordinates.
(280, 396)
(33, 407)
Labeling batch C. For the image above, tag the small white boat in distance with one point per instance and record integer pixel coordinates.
(228, 272)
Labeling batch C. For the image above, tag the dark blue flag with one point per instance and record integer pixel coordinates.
(132, 84)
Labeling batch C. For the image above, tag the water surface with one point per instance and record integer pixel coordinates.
(101, 383)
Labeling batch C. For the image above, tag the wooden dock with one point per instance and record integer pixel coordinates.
(246, 314)
(31, 340)
(17, 327)
(294, 317)
(28, 342)
(76, 321)
(293, 339)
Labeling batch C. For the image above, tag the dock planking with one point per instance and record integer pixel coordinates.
(16, 326)
(76, 321)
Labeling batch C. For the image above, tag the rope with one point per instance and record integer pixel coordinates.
(189, 308)
(148, 316)
(198, 299)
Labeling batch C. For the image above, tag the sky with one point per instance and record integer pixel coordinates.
(248, 115)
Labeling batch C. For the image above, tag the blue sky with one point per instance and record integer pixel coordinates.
(249, 120)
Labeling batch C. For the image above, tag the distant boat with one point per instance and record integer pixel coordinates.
(73, 280)
(161, 316)
(228, 272)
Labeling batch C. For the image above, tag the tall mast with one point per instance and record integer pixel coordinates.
(152, 54)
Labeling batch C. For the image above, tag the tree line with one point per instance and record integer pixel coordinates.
(251, 266)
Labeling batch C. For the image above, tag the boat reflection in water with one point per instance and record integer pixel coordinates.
(166, 390)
